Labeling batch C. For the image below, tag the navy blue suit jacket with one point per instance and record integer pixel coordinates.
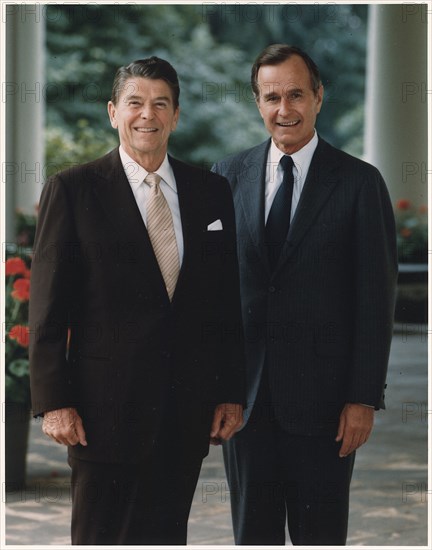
(322, 321)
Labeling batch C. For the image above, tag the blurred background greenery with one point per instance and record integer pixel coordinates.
(212, 48)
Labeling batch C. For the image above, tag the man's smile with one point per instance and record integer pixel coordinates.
(288, 124)
(146, 130)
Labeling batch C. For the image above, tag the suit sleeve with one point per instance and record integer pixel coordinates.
(376, 275)
(52, 287)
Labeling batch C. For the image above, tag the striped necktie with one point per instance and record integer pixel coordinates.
(160, 228)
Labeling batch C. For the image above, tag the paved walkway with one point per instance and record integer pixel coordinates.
(389, 487)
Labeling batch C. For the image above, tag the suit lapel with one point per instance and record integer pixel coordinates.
(116, 197)
(189, 211)
(251, 189)
(321, 179)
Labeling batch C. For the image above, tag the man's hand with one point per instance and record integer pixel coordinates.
(64, 426)
(227, 419)
(355, 426)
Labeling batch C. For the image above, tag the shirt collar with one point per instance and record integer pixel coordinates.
(301, 158)
(136, 174)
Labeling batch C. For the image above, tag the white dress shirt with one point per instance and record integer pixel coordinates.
(136, 174)
(274, 173)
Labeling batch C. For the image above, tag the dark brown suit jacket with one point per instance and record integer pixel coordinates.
(94, 272)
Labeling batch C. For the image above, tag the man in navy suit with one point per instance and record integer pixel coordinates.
(135, 255)
(317, 255)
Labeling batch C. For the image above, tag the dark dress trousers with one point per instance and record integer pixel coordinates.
(318, 330)
(144, 373)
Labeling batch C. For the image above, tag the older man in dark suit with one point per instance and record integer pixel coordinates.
(318, 266)
(135, 255)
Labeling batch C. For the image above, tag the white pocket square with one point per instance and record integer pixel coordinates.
(215, 226)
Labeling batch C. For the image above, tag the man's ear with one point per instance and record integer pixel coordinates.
(176, 119)
(112, 114)
(319, 98)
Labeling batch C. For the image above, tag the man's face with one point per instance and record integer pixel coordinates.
(145, 117)
(287, 103)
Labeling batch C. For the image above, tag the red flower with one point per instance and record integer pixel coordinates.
(20, 333)
(403, 204)
(15, 266)
(21, 290)
(405, 232)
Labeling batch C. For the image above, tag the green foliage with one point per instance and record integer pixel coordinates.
(25, 228)
(212, 47)
(17, 382)
(411, 232)
(76, 145)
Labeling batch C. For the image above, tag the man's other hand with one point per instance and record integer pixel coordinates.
(64, 426)
(355, 426)
(227, 419)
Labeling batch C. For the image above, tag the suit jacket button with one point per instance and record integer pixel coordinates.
(272, 289)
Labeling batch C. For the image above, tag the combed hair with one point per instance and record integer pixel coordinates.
(275, 54)
(152, 67)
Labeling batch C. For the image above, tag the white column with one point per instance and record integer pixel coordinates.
(23, 92)
(396, 98)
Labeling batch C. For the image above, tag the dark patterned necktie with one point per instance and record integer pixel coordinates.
(278, 220)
